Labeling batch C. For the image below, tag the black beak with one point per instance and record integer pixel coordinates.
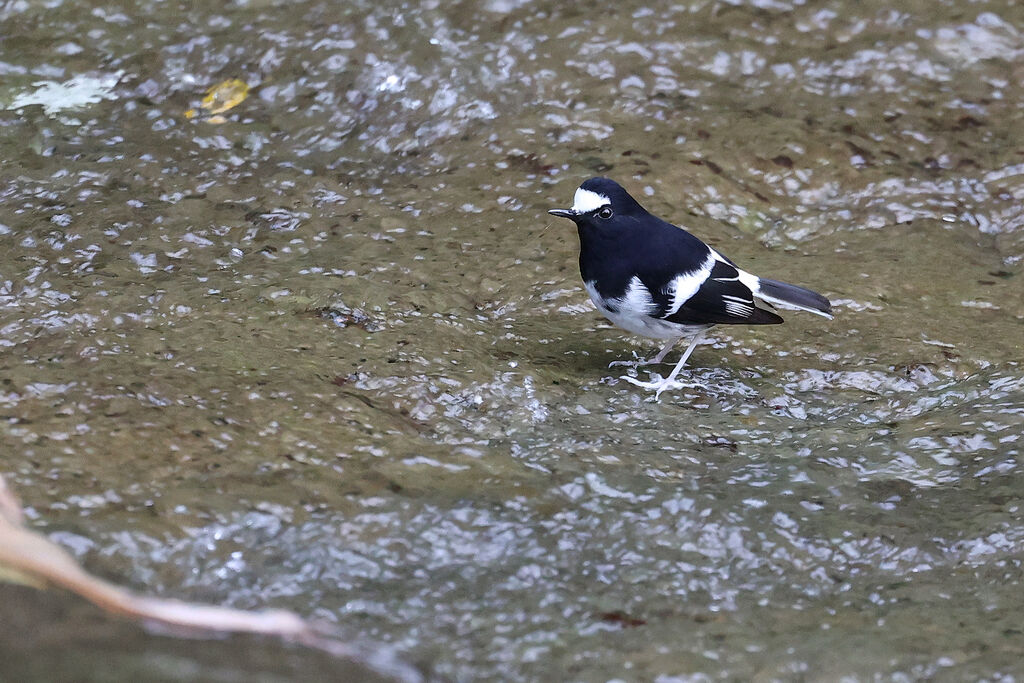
(563, 213)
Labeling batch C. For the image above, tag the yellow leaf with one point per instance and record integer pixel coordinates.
(225, 95)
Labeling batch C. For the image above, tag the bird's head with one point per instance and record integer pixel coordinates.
(603, 204)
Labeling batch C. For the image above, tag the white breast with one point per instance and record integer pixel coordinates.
(634, 310)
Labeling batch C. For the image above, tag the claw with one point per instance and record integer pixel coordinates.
(661, 384)
(635, 363)
(629, 363)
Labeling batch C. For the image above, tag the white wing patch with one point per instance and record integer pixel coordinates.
(734, 305)
(585, 201)
(718, 257)
(751, 281)
(685, 285)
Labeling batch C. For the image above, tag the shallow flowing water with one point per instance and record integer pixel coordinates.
(331, 354)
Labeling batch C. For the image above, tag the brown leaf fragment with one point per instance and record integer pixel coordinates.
(34, 560)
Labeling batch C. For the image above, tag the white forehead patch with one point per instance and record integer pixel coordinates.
(585, 201)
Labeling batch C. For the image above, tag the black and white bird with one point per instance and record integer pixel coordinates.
(657, 280)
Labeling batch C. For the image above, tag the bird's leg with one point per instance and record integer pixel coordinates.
(682, 361)
(653, 360)
(664, 352)
(661, 384)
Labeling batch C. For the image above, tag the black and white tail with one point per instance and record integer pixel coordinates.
(791, 297)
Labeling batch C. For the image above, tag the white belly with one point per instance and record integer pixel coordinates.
(630, 313)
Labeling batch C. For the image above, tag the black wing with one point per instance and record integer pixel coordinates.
(723, 299)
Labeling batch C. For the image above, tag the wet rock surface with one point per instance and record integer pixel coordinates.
(332, 355)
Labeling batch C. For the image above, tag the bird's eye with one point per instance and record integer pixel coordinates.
(605, 212)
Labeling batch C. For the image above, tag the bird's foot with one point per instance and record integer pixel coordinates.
(661, 384)
(635, 363)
